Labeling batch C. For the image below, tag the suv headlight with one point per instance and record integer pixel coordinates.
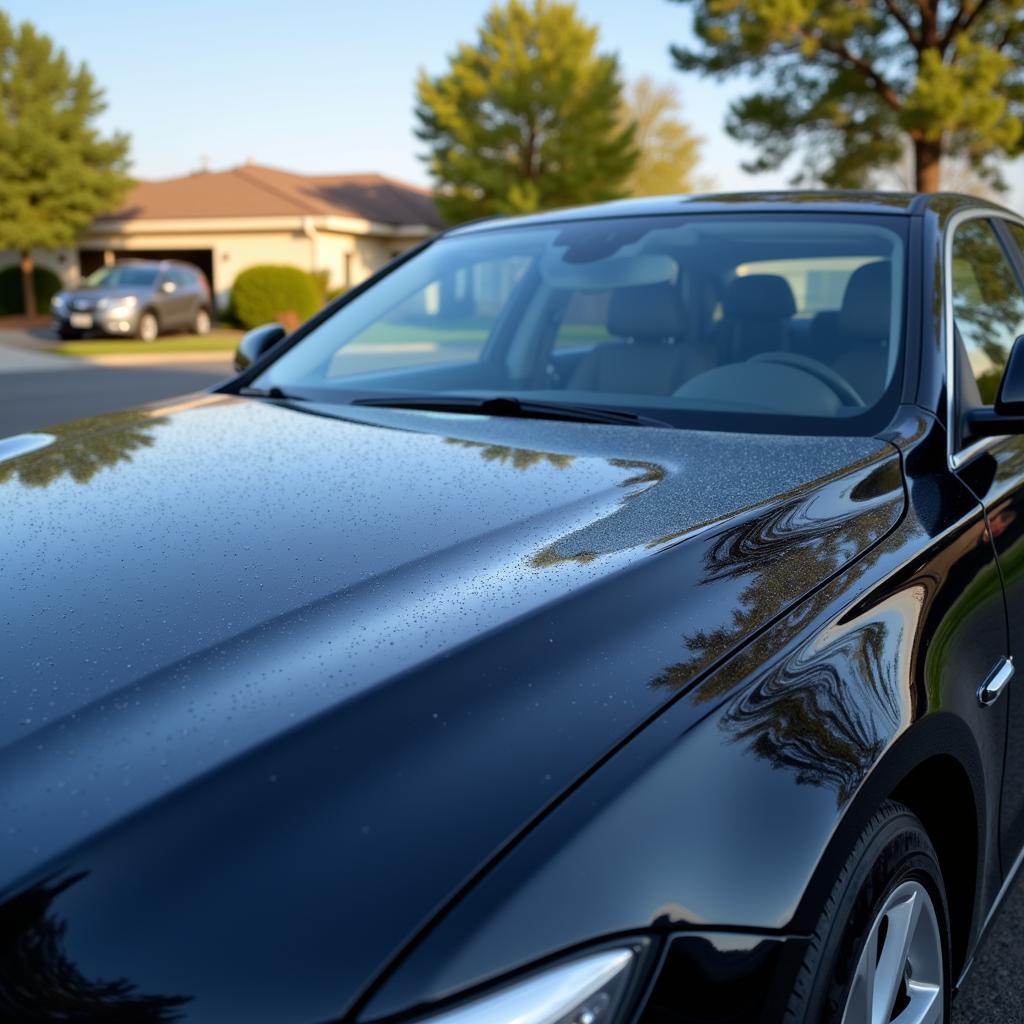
(119, 306)
(584, 991)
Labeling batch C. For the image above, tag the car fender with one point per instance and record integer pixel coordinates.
(731, 810)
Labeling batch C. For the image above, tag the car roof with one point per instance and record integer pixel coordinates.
(809, 201)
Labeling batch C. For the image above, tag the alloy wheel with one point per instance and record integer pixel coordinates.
(899, 977)
(148, 327)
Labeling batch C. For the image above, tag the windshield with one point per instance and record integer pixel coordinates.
(121, 275)
(747, 322)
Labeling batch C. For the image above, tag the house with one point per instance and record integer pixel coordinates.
(348, 225)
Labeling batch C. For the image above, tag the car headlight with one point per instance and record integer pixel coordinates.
(121, 305)
(57, 302)
(584, 991)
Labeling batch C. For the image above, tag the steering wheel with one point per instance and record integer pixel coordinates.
(845, 391)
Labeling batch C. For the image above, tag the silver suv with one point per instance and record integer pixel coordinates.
(135, 298)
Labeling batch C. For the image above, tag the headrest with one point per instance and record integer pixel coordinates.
(648, 311)
(867, 301)
(758, 297)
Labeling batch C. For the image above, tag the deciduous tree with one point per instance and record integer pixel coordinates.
(669, 151)
(856, 80)
(526, 118)
(57, 171)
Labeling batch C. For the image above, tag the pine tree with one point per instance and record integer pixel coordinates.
(56, 171)
(527, 118)
(857, 82)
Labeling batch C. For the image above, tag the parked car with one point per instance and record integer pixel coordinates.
(605, 615)
(135, 299)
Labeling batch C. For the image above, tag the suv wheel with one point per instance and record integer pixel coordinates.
(149, 326)
(880, 952)
(202, 323)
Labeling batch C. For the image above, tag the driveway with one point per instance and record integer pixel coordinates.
(38, 389)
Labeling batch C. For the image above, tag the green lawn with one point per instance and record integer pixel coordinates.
(219, 341)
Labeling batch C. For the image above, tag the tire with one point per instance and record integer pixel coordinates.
(890, 880)
(67, 334)
(149, 326)
(202, 323)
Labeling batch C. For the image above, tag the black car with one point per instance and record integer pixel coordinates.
(135, 298)
(604, 616)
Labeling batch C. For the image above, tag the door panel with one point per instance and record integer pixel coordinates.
(174, 308)
(988, 305)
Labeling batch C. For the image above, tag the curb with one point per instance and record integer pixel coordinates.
(153, 359)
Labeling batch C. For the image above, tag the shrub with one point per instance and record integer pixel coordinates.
(45, 282)
(267, 293)
(320, 279)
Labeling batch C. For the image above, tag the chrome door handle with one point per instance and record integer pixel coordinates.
(989, 691)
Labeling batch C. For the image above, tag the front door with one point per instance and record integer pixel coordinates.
(987, 276)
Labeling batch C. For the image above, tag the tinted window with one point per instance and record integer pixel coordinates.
(183, 278)
(988, 306)
(818, 284)
(1017, 234)
(736, 321)
(122, 275)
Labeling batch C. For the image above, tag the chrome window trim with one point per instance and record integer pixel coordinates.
(960, 458)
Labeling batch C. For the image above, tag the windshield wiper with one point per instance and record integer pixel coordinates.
(274, 392)
(518, 408)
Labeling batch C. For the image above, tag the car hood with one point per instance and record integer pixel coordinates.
(276, 682)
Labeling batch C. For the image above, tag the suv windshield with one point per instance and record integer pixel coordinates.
(121, 275)
(738, 321)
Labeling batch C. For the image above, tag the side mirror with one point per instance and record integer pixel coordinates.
(1007, 415)
(255, 343)
(1010, 397)
(168, 287)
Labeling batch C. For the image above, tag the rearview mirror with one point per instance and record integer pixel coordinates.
(255, 343)
(1006, 416)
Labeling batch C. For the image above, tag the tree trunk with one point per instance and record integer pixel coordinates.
(927, 161)
(28, 290)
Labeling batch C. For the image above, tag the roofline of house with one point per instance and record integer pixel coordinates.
(105, 227)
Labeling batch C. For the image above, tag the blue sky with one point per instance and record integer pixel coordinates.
(322, 86)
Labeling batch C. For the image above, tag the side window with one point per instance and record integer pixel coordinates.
(1017, 234)
(988, 306)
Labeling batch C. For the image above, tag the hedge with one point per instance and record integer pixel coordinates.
(264, 294)
(45, 282)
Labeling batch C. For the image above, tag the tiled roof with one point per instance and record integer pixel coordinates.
(256, 191)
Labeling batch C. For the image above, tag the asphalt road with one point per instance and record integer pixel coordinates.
(37, 390)
(994, 993)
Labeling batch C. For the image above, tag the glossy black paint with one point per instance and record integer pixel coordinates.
(257, 343)
(320, 713)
